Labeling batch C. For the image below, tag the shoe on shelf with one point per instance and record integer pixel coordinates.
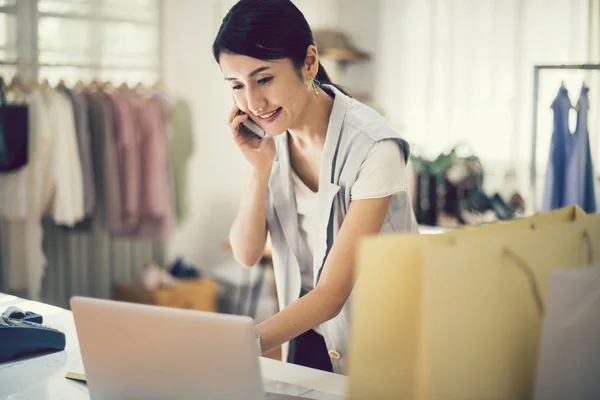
(502, 210)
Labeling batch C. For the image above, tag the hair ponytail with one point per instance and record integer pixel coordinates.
(323, 77)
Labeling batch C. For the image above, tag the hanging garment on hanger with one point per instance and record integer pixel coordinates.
(13, 135)
(80, 114)
(579, 175)
(14, 147)
(108, 192)
(561, 135)
(72, 210)
(156, 213)
(26, 262)
(67, 206)
(181, 149)
(128, 159)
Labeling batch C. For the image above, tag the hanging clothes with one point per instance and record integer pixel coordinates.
(579, 171)
(156, 212)
(80, 113)
(128, 159)
(181, 149)
(555, 175)
(13, 135)
(67, 203)
(105, 160)
(13, 158)
(24, 268)
(111, 163)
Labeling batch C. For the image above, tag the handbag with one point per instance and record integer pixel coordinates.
(14, 134)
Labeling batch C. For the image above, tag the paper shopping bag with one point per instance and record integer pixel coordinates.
(457, 319)
(562, 215)
(569, 358)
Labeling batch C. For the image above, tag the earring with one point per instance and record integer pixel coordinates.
(317, 85)
(314, 85)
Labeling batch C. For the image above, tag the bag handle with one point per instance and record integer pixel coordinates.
(590, 249)
(535, 290)
(530, 275)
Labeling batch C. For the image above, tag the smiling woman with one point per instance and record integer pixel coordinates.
(328, 172)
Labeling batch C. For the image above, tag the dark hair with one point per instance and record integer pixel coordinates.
(267, 30)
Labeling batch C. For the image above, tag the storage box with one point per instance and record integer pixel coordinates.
(196, 294)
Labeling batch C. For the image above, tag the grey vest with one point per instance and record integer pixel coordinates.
(353, 129)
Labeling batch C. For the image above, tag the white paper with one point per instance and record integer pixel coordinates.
(569, 359)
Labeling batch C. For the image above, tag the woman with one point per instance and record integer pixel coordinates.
(329, 171)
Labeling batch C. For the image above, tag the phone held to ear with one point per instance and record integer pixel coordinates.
(251, 127)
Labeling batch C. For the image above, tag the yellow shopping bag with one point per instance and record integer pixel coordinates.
(562, 215)
(457, 316)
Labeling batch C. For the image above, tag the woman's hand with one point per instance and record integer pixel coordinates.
(260, 153)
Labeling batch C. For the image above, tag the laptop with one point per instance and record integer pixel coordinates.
(138, 351)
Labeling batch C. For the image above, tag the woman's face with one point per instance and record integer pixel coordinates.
(270, 92)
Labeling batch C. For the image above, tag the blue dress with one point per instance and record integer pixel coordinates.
(579, 175)
(555, 175)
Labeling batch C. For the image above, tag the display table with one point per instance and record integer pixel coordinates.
(43, 377)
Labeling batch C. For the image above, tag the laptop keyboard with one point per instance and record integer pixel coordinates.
(279, 396)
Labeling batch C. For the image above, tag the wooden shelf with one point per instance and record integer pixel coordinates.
(344, 55)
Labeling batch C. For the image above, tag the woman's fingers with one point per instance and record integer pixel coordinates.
(234, 111)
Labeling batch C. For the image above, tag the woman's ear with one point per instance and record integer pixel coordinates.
(311, 63)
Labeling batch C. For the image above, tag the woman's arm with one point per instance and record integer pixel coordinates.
(248, 234)
(364, 217)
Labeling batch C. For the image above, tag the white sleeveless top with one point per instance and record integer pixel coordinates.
(353, 130)
(383, 173)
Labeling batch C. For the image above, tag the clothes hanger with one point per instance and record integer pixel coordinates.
(562, 86)
(15, 83)
(18, 87)
(94, 85)
(158, 86)
(123, 87)
(79, 86)
(142, 91)
(139, 87)
(106, 86)
(45, 84)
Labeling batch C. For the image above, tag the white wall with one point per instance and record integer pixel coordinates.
(216, 169)
(463, 71)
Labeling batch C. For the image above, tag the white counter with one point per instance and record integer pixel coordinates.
(43, 378)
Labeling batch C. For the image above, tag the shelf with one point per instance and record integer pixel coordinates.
(344, 55)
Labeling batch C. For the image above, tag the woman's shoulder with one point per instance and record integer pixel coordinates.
(364, 120)
(363, 127)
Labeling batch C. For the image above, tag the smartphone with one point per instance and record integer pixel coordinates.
(252, 127)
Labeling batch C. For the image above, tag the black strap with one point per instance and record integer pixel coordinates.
(3, 151)
(13, 135)
(2, 94)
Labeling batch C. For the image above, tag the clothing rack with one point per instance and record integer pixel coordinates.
(536, 84)
(79, 261)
